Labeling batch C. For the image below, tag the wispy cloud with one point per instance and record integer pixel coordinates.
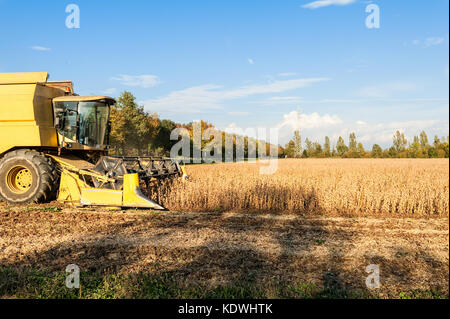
(209, 97)
(40, 48)
(433, 41)
(145, 81)
(386, 90)
(429, 42)
(251, 61)
(286, 74)
(326, 3)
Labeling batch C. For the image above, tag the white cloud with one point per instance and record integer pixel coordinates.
(40, 48)
(285, 74)
(145, 81)
(209, 97)
(251, 61)
(386, 90)
(326, 3)
(315, 127)
(433, 41)
(299, 121)
(429, 42)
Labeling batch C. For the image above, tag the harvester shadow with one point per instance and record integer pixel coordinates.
(273, 267)
(243, 268)
(264, 255)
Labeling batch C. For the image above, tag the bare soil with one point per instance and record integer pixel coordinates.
(216, 248)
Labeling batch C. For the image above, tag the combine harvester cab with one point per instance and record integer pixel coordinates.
(54, 145)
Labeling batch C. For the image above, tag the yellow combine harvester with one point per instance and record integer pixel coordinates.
(54, 145)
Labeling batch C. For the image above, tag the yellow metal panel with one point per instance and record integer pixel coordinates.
(26, 111)
(69, 192)
(132, 195)
(75, 98)
(101, 197)
(28, 77)
(17, 102)
(48, 136)
(16, 136)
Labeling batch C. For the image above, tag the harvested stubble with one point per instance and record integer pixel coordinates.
(331, 187)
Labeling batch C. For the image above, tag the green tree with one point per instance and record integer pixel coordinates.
(289, 149)
(309, 147)
(399, 141)
(423, 139)
(139, 128)
(327, 147)
(318, 151)
(117, 133)
(360, 149)
(341, 147)
(414, 149)
(352, 144)
(377, 151)
(298, 144)
(436, 141)
(162, 140)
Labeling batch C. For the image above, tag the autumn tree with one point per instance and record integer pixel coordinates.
(377, 151)
(132, 129)
(327, 147)
(423, 140)
(352, 145)
(341, 147)
(297, 144)
(399, 142)
(309, 147)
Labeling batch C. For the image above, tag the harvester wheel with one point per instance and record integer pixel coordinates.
(27, 176)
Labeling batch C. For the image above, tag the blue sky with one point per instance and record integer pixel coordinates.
(249, 63)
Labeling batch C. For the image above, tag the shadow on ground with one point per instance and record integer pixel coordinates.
(305, 263)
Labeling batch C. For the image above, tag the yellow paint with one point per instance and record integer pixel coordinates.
(132, 195)
(28, 77)
(69, 98)
(26, 120)
(19, 179)
(69, 188)
(101, 197)
(73, 190)
(26, 110)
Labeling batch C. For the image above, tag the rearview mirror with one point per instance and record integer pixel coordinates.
(60, 120)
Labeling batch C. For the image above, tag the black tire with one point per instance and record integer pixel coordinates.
(28, 176)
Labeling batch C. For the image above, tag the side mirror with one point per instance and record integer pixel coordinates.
(60, 120)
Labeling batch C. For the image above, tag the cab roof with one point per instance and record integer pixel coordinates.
(75, 98)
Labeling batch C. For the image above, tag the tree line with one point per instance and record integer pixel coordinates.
(419, 147)
(135, 132)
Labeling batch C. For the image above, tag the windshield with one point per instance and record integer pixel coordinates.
(92, 126)
(93, 123)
